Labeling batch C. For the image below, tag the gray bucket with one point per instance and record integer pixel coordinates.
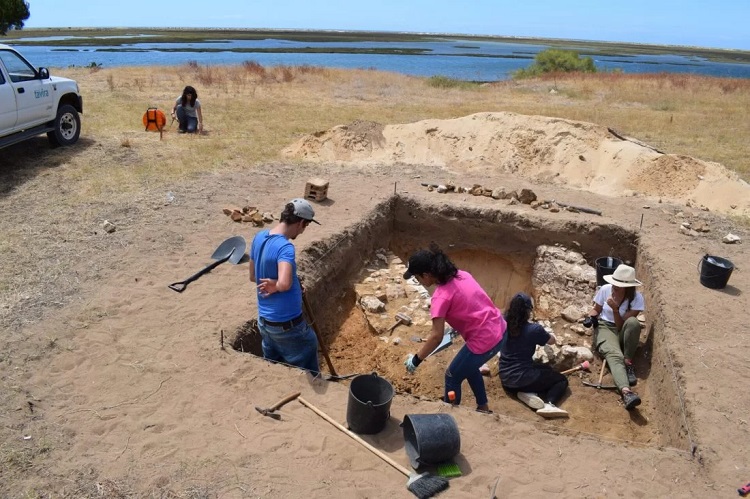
(369, 404)
(430, 438)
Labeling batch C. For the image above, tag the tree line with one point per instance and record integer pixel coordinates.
(12, 15)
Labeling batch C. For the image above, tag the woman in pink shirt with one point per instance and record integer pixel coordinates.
(461, 302)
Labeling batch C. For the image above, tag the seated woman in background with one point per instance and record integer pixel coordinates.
(187, 110)
(616, 308)
(537, 385)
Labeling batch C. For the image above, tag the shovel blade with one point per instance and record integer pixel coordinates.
(233, 249)
(447, 341)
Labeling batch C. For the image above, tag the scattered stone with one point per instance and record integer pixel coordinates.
(477, 190)
(646, 207)
(394, 291)
(553, 208)
(513, 201)
(372, 304)
(268, 217)
(108, 227)
(731, 239)
(527, 196)
(579, 330)
(442, 189)
(498, 193)
(579, 354)
(572, 313)
(396, 340)
(582, 157)
(416, 339)
(688, 232)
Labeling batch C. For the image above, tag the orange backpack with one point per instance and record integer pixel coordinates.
(154, 119)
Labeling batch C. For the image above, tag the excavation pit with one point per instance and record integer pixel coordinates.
(506, 252)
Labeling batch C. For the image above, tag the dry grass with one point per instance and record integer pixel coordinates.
(251, 112)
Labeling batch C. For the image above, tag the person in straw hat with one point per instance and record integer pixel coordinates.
(615, 317)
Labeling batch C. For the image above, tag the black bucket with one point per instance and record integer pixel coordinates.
(715, 271)
(369, 404)
(605, 265)
(430, 438)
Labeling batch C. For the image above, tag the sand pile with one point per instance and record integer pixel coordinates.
(564, 152)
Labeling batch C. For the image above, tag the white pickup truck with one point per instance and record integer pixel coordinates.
(32, 102)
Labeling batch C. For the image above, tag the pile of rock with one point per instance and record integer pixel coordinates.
(249, 214)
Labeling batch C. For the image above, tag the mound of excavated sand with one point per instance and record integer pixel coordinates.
(572, 153)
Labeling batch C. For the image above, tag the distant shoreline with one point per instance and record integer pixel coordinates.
(119, 36)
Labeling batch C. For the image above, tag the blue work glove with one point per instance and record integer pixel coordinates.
(411, 363)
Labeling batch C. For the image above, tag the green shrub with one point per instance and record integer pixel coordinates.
(557, 61)
(445, 82)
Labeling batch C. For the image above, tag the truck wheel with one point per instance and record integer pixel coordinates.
(67, 127)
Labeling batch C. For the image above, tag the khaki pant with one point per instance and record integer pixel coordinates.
(616, 347)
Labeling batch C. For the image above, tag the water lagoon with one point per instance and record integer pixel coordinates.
(464, 58)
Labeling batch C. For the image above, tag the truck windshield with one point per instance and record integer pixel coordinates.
(18, 69)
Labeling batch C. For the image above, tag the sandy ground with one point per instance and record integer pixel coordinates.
(112, 385)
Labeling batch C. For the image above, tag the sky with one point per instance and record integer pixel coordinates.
(716, 24)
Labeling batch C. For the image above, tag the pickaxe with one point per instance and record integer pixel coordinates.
(271, 411)
(599, 385)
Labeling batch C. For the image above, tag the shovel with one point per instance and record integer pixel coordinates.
(233, 249)
(445, 343)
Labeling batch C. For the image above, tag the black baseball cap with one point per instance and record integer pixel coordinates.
(419, 263)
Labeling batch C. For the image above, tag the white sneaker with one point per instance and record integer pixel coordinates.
(485, 370)
(550, 411)
(531, 399)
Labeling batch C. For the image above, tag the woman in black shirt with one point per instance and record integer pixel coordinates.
(537, 385)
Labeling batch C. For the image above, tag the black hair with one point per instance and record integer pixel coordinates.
(288, 216)
(518, 314)
(441, 267)
(630, 295)
(193, 97)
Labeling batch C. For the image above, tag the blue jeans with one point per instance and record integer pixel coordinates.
(297, 346)
(187, 123)
(465, 366)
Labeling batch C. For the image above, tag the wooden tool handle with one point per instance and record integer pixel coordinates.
(355, 437)
(308, 312)
(601, 373)
(572, 369)
(281, 403)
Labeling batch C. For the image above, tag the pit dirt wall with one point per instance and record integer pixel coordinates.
(403, 225)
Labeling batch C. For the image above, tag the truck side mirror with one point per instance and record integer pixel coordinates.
(44, 73)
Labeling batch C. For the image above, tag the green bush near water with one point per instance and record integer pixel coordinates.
(557, 61)
(445, 82)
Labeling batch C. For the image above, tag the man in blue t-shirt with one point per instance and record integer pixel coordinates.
(286, 335)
